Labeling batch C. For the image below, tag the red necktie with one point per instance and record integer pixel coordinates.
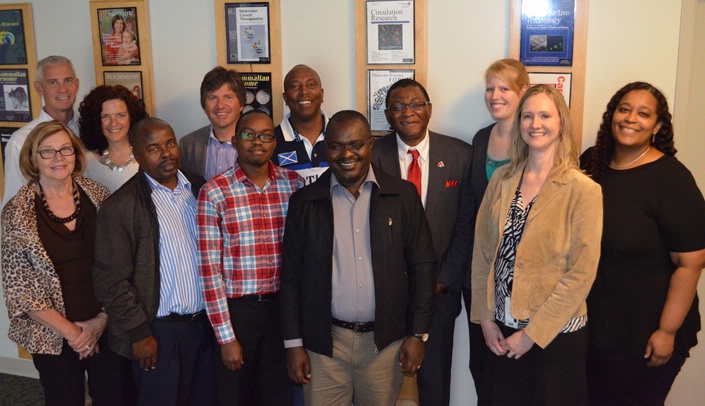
(414, 174)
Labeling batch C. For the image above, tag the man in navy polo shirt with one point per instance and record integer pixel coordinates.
(301, 133)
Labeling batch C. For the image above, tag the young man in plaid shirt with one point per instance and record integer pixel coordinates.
(241, 216)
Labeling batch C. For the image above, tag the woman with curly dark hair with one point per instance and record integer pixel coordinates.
(643, 306)
(106, 115)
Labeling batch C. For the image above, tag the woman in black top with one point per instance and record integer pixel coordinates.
(506, 80)
(643, 307)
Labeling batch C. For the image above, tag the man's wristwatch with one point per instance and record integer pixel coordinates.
(421, 336)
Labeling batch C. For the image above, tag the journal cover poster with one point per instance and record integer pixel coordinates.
(561, 81)
(12, 41)
(390, 32)
(547, 32)
(5, 133)
(15, 103)
(119, 36)
(258, 92)
(131, 80)
(247, 28)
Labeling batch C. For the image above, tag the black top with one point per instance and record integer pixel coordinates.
(72, 253)
(649, 211)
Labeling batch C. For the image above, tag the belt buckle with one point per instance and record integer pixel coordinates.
(358, 326)
(193, 316)
(262, 298)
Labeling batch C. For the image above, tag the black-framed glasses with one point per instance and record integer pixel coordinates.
(399, 107)
(51, 153)
(337, 148)
(248, 136)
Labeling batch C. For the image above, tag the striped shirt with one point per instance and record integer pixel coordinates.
(178, 258)
(220, 156)
(504, 266)
(240, 231)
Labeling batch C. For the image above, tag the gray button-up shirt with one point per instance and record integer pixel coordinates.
(353, 288)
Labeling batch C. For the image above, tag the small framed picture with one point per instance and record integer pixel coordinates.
(247, 30)
(12, 44)
(119, 36)
(15, 105)
(131, 80)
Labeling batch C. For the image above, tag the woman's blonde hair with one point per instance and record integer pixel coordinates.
(36, 137)
(511, 72)
(566, 154)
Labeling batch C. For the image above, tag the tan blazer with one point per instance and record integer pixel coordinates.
(556, 260)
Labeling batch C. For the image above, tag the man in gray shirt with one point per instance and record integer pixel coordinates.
(358, 276)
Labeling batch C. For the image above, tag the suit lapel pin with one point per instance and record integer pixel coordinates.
(441, 164)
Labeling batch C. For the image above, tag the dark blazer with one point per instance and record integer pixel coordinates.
(126, 269)
(480, 142)
(450, 206)
(193, 148)
(402, 260)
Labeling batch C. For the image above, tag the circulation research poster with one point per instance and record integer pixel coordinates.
(12, 45)
(390, 32)
(258, 92)
(15, 103)
(247, 28)
(378, 83)
(547, 32)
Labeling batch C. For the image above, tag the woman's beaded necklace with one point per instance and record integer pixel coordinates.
(51, 215)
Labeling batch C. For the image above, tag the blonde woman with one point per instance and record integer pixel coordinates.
(535, 257)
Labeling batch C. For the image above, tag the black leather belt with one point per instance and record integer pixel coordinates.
(183, 317)
(356, 327)
(259, 298)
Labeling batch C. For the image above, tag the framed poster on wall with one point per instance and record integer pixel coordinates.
(547, 32)
(12, 41)
(131, 80)
(247, 30)
(119, 44)
(390, 32)
(15, 105)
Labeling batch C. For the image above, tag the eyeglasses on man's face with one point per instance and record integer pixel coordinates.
(49, 153)
(248, 136)
(399, 107)
(337, 148)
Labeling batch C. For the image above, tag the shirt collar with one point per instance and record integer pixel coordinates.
(240, 176)
(422, 147)
(73, 122)
(369, 178)
(212, 138)
(291, 135)
(181, 183)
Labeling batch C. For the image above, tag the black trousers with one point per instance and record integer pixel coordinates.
(615, 378)
(63, 377)
(433, 378)
(542, 377)
(263, 379)
(185, 373)
(479, 355)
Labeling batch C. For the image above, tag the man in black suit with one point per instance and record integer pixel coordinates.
(440, 167)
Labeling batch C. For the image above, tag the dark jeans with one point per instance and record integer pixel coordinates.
(184, 374)
(616, 378)
(263, 379)
(554, 375)
(63, 377)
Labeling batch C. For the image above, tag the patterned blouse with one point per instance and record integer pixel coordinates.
(504, 266)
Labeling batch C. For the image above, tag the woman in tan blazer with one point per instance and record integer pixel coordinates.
(537, 246)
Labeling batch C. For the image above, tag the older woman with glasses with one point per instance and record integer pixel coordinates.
(47, 260)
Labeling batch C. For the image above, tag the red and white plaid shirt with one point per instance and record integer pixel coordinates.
(240, 230)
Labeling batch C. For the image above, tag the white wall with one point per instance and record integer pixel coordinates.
(627, 40)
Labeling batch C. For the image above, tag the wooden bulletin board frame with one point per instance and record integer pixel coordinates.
(420, 66)
(577, 70)
(274, 67)
(145, 47)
